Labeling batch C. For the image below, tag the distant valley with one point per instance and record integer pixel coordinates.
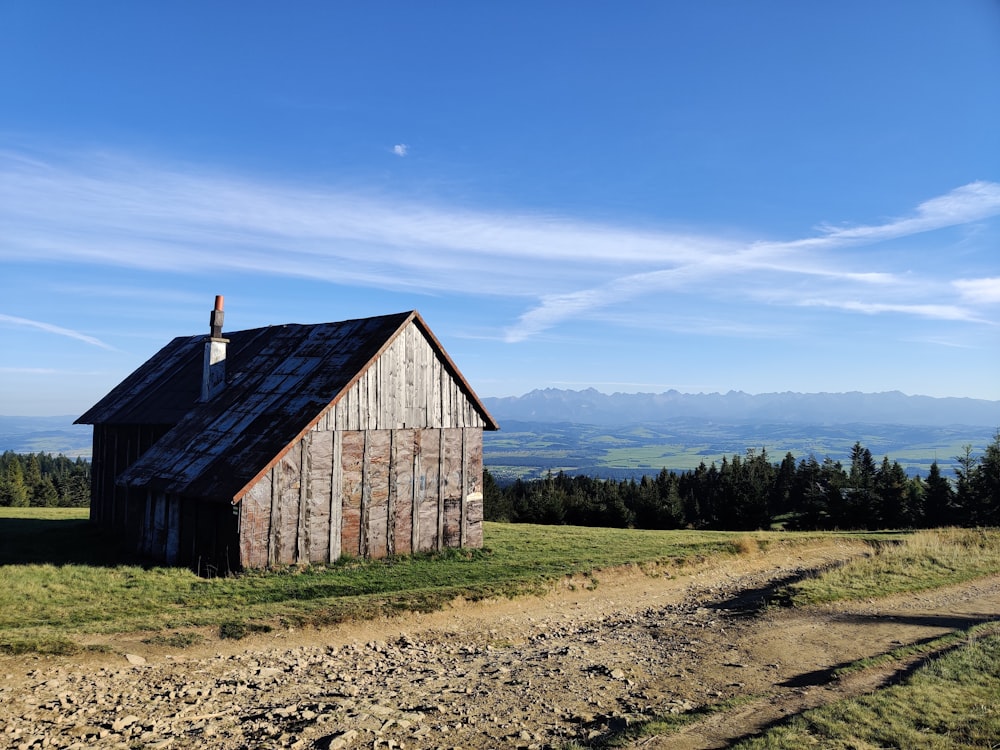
(624, 435)
(628, 435)
(53, 435)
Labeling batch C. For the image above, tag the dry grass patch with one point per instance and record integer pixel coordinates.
(914, 562)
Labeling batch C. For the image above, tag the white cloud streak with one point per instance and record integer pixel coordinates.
(113, 211)
(937, 312)
(979, 291)
(973, 202)
(57, 330)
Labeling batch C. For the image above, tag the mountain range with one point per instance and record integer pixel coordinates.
(736, 407)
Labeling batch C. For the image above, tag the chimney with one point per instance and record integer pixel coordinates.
(213, 378)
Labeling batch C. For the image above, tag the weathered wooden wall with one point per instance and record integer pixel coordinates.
(183, 531)
(407, 387)
(394, 466)
(365, 493)
(115, 448)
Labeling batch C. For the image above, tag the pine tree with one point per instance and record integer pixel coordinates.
(13, 491)
(892, 489)
(965, 486)
(860, 508)
(939, 499)
(45, 493)
(986, 486)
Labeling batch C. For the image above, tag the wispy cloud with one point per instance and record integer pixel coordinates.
(973, 202)
(113, 211)
(57, 330)
(980, 291)
(400, 149)
(969, 203)
(937, 312)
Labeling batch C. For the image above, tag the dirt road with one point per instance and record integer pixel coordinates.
(578, 664)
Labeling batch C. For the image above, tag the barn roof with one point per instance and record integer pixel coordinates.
(280, 380)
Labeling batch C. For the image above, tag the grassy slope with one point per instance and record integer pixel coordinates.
(62, 579)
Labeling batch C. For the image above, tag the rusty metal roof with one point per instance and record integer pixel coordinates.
(279, 381)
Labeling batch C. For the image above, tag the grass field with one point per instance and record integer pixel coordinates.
(62, 578)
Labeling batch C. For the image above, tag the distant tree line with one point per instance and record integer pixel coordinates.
(752, 492)
(40, 479)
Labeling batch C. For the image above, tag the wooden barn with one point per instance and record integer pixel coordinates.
(291, 444)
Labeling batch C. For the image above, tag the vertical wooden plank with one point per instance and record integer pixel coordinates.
(463, 527)
(436, 419)
(387, 419)
(173, 541)
(96, 472)
(255, 523)
(318, 499)
(273, 541)
(376, 495)
(158, 552)
(336, 496)
(416, 495)
(409, 380)
(289, 484)
(374, 407)
(352, 460)
(474, 488)
(442, 482)
(364, 531)
(452, 493)
(399, 384)
(302, 541)
(383, 421)
(371, 385)
(347, 402)
(344, 422)
(401, 489)
(390, 537)
(426, 479)
(425, 387)
(445, 397)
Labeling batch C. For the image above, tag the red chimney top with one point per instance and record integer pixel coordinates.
(216, 318)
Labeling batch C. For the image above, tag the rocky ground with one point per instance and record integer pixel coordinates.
(578, 664)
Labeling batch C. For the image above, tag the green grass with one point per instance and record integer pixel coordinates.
(949, 704)
(914, 562)
(61, 580)
(655, 457)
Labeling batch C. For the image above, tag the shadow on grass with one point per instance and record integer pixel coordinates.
(37, 541)
(749, 602)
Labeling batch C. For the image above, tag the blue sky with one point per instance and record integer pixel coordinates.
(706, 196)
